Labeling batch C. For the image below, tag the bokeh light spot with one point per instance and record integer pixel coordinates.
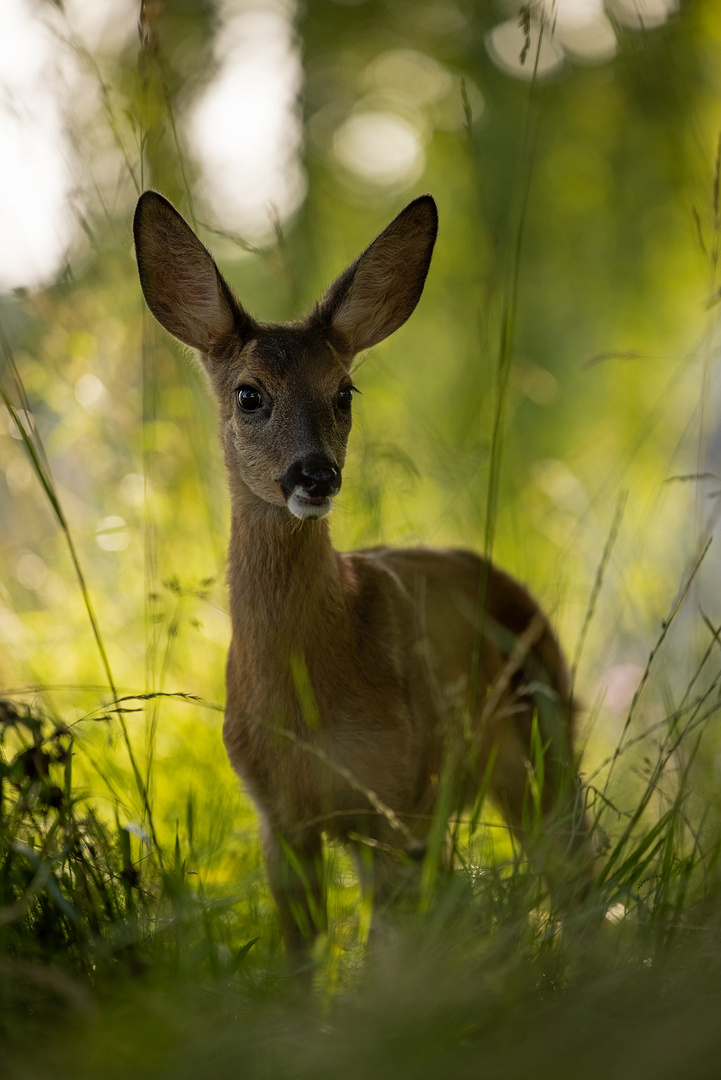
(510, 49)
(89, 391)
(246, 127)
(31, 571)
(112, 534)
(380, 148)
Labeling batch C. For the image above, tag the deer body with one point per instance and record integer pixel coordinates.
(348, 675)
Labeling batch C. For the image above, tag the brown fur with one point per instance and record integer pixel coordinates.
(349, 675)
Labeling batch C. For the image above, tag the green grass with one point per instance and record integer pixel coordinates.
(117, 962)
(123, 954)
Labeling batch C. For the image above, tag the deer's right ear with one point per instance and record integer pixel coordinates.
(180, 281)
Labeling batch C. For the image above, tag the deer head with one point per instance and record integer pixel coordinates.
(284, 391)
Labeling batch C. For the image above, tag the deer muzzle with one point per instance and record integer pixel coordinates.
(310, 485)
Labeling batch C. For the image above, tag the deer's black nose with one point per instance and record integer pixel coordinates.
(316, 475)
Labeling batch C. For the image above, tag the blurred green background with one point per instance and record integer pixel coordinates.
(554, 399)
(579, 218)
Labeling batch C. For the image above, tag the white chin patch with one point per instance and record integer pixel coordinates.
(303, 506)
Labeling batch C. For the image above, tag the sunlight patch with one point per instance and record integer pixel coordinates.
(246, 128)
(525, 57)
(112, 534)
(31, 571)
(35, 180)
(132, 489)
(89, 391)
(415, 84)
(380, 148)
(642, 14)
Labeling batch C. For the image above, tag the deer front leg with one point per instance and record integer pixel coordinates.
(390, 883)
(295, 875)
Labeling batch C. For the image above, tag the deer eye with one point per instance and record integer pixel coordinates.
(250, 399)
(344, 400)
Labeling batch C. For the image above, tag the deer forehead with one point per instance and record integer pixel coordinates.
(289, 363)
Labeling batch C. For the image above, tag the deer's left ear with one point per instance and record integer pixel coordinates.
(376, 295)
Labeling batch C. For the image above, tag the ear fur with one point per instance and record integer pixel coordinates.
(376, 295)
(180, 281)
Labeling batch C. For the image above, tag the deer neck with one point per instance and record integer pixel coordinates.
(284, 578)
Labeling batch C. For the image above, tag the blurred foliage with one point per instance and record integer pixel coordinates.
(577, 259)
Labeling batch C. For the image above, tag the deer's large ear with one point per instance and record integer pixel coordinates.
(180, 281)
(375, 295)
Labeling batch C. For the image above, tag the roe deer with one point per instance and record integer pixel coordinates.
(354, 681)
